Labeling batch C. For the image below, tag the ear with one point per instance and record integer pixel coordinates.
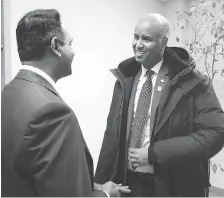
(164, 44)
(55, 46)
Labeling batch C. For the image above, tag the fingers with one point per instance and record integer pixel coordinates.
(135, 164)
(132, 159)
(132, 155)
(123, 189)
(132, 150)
(126, 187)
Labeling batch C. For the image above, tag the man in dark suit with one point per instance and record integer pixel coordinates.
(43, 150)
(165, 120)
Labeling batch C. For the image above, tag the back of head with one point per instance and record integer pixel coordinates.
(35, 31)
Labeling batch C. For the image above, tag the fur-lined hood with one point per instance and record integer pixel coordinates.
(178, 59)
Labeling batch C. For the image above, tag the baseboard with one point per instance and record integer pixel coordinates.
(216, 192)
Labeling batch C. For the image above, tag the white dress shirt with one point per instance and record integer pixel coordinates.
(41, 73)
(146, 131)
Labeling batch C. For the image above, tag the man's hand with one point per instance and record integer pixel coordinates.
(138, 156)
(115, 190)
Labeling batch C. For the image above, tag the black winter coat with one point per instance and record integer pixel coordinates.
(188, 128)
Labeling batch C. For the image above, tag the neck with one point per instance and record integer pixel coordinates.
(150, 66)
(46, 68)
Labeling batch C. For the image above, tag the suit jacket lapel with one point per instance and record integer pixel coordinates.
(158, 89)
(35, 78)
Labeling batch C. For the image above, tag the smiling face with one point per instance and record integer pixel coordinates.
(147, 44)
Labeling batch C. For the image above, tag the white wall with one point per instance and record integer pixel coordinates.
(102, 31)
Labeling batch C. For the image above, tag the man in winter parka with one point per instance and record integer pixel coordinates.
(165, 121)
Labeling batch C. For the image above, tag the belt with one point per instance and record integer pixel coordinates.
(143, 169)
(138, 174)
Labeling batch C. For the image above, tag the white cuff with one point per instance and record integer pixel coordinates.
(108, 196)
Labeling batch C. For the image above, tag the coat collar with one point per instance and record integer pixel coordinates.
(35, 78)
(178, 60)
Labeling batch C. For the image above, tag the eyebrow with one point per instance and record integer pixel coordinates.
(148, 37)
(144, 36)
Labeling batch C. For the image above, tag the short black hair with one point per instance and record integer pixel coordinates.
(35, 31)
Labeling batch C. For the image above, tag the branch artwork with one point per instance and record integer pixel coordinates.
(204, 22)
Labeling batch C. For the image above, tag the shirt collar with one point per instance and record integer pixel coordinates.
(41, 73)
(156, 68)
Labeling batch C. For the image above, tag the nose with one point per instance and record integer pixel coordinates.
(139, 44)
(73, 51)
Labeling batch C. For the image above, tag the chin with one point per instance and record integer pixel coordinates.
(139, 60)
(69, 72)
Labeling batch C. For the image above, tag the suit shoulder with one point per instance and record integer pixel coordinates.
(55, 106)
(36, 93)
(51, 111)
(32, 98)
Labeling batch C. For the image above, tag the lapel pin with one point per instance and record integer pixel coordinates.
(162, 81)
(159, 88)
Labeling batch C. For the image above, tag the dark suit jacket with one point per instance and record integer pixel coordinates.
(43, 150)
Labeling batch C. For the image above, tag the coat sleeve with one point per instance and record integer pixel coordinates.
(105, 165)
(206, 140)
(53, 154)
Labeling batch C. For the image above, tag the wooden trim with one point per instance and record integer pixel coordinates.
(6, 31)
(2, 48)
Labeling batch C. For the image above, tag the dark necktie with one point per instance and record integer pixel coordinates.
(141, 112)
